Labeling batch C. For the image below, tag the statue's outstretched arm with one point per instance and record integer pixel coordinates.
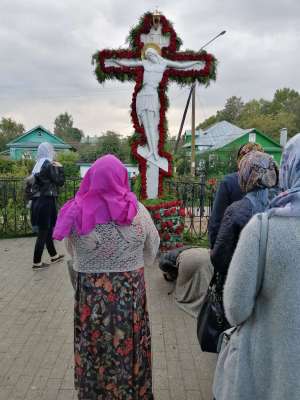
(185, 64)
(123, 62)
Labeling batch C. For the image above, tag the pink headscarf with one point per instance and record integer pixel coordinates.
(104, 196)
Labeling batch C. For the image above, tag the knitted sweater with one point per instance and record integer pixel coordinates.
(114, 248)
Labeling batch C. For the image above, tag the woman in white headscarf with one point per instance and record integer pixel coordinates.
(47, 175)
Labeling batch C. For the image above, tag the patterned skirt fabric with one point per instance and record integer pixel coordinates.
(112, 343)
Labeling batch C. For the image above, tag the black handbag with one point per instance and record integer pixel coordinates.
(211, 320)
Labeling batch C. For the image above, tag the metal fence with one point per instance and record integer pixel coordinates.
(15, 214)
(197, 200)
(14, 210)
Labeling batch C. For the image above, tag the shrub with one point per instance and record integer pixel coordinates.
(18, 168)
(69, 161)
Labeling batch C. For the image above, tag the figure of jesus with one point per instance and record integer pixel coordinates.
(147, 101)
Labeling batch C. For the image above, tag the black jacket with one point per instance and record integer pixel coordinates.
(228, 191)
(235, 218)
(48, 180)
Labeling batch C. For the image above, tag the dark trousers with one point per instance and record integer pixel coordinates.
(44, 238)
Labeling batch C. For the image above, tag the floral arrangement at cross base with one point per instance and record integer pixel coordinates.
(168, 218)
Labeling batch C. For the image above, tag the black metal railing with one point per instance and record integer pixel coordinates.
(197, 200)
(15, 213)
(14, 209)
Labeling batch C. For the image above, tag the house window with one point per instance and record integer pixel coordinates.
(26, 155)
(252, 137)
(212, 160)
(201, 163)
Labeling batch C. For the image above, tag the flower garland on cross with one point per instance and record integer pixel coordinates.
(153, 58)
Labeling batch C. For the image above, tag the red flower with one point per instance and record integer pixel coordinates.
(85, 313)
(111, 297)
(212, 181)
(167, 236)
(156, 216)
(164, 225)
(182, 212)
(179, 229)
(79, 371)
(95, 335)
(170, 224)
(128, 346)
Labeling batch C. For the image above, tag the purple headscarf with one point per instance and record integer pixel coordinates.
(287, 203)
(104, 196)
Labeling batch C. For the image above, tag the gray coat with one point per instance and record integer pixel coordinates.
(263, 359)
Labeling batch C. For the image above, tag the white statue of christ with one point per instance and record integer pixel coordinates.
(147, 101)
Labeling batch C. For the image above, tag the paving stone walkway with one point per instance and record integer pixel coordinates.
(36, 334)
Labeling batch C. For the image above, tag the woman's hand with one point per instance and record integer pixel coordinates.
(56, 164)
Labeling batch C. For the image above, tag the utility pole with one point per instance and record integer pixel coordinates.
(192, 93)
(193, 133)
(183, 118)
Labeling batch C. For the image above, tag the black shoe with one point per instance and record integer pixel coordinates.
(169, 277)
(57, 259)
(40, 266)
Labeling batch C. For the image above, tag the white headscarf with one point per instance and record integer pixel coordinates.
(45, 152)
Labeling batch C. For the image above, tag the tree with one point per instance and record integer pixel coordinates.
(69, 161)
(182, 162)
(88, 152)
(232, 110)
(208, 122)
(283, 100)
(63, 127)
(267, 116)
(111, 143)
(9, 130)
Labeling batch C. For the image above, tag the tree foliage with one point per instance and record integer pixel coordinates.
(108, 143)
(69, 161)
(15, 168)
(9, 130)
(283, 111)
(63, 127)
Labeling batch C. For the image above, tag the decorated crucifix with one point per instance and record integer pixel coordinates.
(152, 60)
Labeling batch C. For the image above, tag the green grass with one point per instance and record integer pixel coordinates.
(189, 239)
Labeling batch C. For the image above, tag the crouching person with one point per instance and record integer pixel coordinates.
(190, 267)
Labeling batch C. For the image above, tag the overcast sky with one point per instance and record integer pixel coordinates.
(46, 49)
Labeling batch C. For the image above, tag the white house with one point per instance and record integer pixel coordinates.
(133, 170)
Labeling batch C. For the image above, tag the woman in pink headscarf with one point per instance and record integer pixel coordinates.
(110, 236)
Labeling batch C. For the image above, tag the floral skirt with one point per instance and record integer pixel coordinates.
(112, 342)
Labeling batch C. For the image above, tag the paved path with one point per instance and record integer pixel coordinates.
(36, 334)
